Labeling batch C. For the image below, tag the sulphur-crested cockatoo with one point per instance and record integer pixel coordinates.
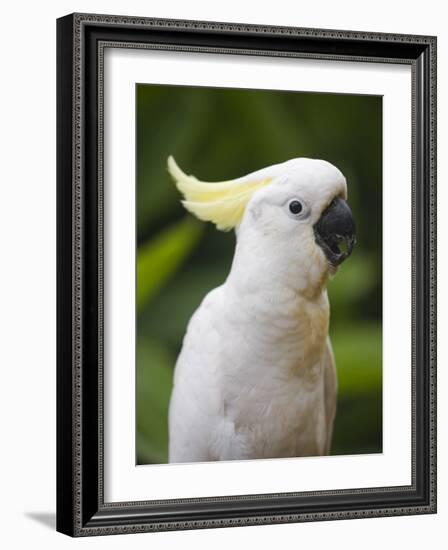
(256, 375)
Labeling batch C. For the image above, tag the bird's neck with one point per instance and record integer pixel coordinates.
(277, 270)
(286, 306)
(286, 330)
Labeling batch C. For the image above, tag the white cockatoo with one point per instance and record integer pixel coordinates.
(256, 375)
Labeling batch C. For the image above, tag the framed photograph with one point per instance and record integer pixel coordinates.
(246, 274)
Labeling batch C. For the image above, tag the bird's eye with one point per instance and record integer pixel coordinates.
(295, 207)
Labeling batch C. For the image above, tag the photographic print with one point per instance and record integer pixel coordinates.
(259, 274)
(246, 274)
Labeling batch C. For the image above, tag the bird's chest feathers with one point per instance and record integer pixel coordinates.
(279, 332)
(274, 369)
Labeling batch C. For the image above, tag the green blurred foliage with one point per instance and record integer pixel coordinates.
(167, 250)
(219, 134)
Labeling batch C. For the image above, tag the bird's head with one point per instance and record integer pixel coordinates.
(291, 218)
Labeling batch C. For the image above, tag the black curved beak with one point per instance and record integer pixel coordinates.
(335, 231)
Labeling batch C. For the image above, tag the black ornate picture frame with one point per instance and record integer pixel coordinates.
(81, 508)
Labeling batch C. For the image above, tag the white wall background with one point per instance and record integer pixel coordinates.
(27, 270)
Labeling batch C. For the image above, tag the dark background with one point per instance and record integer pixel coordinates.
(219, 134)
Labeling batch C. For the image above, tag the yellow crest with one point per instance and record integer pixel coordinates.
(221, 203)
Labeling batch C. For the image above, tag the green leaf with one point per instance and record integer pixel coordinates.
(154, 383)
(159, 259)
(353, 282)
(358, 355)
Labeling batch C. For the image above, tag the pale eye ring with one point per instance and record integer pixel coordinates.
(295, 207)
